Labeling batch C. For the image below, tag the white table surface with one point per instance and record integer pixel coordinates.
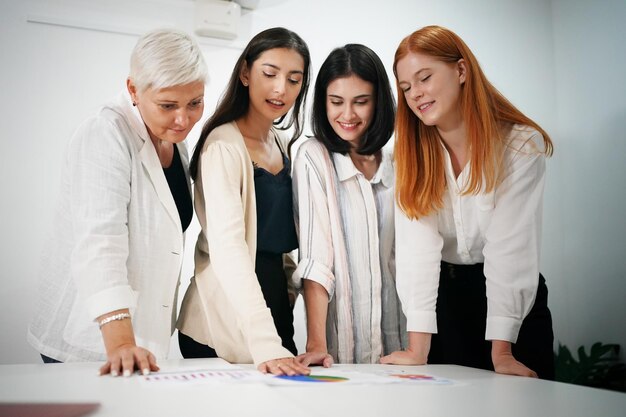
(474, 393)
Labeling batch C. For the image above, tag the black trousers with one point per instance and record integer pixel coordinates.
(461, 324)
(271, 275)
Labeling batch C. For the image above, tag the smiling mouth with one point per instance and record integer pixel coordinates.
(424, 107)
(275, 103)
(348, 126)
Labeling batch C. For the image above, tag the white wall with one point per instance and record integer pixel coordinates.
(589, 269)
(52, 77)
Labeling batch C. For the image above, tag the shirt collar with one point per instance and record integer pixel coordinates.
(123, 105)
(460, 181)
(345, 169)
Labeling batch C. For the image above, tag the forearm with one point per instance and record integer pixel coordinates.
(415, 354)
(500, 348)
(316, 303)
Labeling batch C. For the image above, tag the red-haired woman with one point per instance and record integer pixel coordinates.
(470, 178)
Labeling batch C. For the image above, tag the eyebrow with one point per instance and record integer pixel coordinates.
(278, 68)
(176, 102)
(355, 97)
(416, 74)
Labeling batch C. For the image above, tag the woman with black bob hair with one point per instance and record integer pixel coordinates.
(343, 188)
(365, 64)
(237, 305)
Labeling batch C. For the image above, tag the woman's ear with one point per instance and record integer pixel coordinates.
(244, 74)
(462, 69)
(132, 89)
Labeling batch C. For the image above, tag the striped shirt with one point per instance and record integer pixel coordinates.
(346, 230)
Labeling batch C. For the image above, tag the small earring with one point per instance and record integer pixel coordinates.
(245, 84)
(134, 104)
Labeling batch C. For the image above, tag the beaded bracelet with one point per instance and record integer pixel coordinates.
(118, 316)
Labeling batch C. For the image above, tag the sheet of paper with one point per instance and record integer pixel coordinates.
(205, 376)
(340, 376)
(334, 375)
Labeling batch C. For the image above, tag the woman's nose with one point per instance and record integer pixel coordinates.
(182, 118)
(416, 93)
(348, 111)
(280, 85)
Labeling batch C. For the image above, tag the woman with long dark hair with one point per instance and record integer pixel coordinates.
(237, 306)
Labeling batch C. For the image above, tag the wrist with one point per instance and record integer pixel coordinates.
(419, 341)
(316, 347)
(500, 349)
(113, 317)
(419, 345)
(116, 334)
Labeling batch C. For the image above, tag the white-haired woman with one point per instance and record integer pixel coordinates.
(111, 269)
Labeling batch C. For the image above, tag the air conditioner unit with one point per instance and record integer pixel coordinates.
(248, 4)
(217, 18)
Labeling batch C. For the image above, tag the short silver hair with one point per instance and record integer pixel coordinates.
(166, 58)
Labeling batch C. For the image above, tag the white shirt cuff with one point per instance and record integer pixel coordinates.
(421, 321)
(110, 299)
(502, 328)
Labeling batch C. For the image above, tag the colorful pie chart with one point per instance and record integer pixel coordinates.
(313, 378)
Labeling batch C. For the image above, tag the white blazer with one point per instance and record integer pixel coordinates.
(117, 241)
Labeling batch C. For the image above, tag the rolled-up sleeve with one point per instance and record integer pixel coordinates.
(512, 245)
(313, 222)
(99, 187)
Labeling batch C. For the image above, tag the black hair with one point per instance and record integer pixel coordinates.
(359, 60)
(235, 100)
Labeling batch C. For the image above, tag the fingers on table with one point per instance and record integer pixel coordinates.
(284, 367)
(125, 361)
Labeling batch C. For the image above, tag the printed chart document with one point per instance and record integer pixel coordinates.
(335, 375)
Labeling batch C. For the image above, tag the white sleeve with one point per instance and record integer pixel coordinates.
(312, 215)
(418, 262)
(512, 246)
(99, 165)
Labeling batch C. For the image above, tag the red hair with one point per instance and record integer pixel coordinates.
(488, 116)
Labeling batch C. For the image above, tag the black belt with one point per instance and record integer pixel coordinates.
(454, 270)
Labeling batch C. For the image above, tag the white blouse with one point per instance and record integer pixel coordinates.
(346, 230)
(501, 228)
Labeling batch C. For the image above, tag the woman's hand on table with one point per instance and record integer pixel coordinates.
(315, 358)
(283, 366)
